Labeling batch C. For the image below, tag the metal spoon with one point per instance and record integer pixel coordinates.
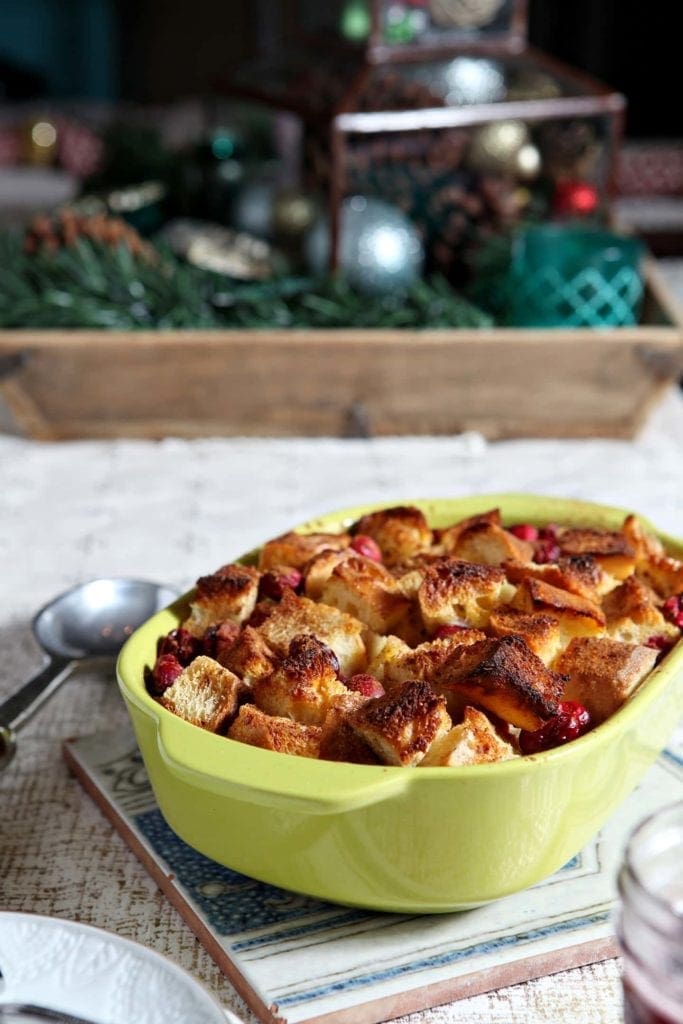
(91, 620)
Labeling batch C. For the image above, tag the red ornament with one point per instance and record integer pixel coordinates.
(575, 199)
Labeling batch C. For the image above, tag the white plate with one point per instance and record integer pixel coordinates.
(83, 970)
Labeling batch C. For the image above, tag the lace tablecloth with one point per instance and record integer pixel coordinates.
(173, 510)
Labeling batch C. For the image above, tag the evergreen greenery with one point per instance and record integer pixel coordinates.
(90, 284)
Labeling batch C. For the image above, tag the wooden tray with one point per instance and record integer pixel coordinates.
(501, 382)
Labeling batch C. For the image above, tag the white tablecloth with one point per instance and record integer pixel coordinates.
(173, 510)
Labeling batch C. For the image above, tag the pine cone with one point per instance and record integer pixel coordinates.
(51, 233)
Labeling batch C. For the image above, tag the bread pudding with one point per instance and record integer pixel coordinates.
(392, 643)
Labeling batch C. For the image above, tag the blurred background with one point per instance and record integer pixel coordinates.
(407, 138)
(141, 50)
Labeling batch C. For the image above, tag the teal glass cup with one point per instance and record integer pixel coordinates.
(564, 275)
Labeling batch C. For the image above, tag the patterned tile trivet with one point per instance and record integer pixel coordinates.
(295, 959)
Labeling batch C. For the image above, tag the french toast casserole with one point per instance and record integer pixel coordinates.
(393, 643)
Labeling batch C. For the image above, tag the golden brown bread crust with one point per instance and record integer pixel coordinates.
(401, 726)
(577, 615)
(644, 544)
(611, 548)
(304, 685)
(603, 673)
(282, 735)
(294, 615)
(338, 740)
(205, 694)
(447, 538)
(426, 660)
(541, 633)
(250, 657)
(633, 615)
(579, 574)
(454, 591)
(505, 677)
(283, 660)
(229, 593)
(472, 741)
(318, 570)
(295, 549)
(400, 532)
(489, 544)
(367, 591)
(664, 574)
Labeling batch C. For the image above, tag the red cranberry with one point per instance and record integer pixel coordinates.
(673, 609)
(180, 643)
(572, 720)
(365, 684)
(274, 582)
(367, 547)
(218, 640)
(524, 531)
(165, 672)
(546, 550)
(449, 630)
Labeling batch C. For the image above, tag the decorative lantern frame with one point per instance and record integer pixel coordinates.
(331, 91)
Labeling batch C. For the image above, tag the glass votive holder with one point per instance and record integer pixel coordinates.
(650, 920)
(573, 275)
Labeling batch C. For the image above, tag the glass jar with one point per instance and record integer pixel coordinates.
(650, 923)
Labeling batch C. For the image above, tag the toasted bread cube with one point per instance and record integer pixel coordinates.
(294, 615)
(228, 594)
(609, 547)
(318, 570)
(426, 660)
(490, 544)
(505, 677)
(338, 740)
(295, 549)
(644, 544)
(445, 540)
(633, 615)
(454, 592)
(250, 657)
(383, 651)
(580, 574)
(205, 694)
(541, 633)
(282, 735)
(367, 591)
(304, 685)
(400, 532)
(401, 726)
(664, 574)
(603, 673)
(473, 741)
(577, 616)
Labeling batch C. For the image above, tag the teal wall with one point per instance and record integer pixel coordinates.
(72, 44)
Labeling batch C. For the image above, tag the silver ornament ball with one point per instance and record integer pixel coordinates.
(253, 208)
(380, 249)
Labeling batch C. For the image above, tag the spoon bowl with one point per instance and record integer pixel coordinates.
(91, 621)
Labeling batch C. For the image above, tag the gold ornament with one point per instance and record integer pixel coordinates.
(294, 212)
(41, 142)
(530, 84)
(464, 13)
(495, 147)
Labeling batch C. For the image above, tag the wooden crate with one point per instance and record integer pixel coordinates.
(502, 382)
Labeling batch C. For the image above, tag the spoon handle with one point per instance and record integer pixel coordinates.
(16, 710)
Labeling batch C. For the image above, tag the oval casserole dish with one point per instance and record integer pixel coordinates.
(400, 839)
